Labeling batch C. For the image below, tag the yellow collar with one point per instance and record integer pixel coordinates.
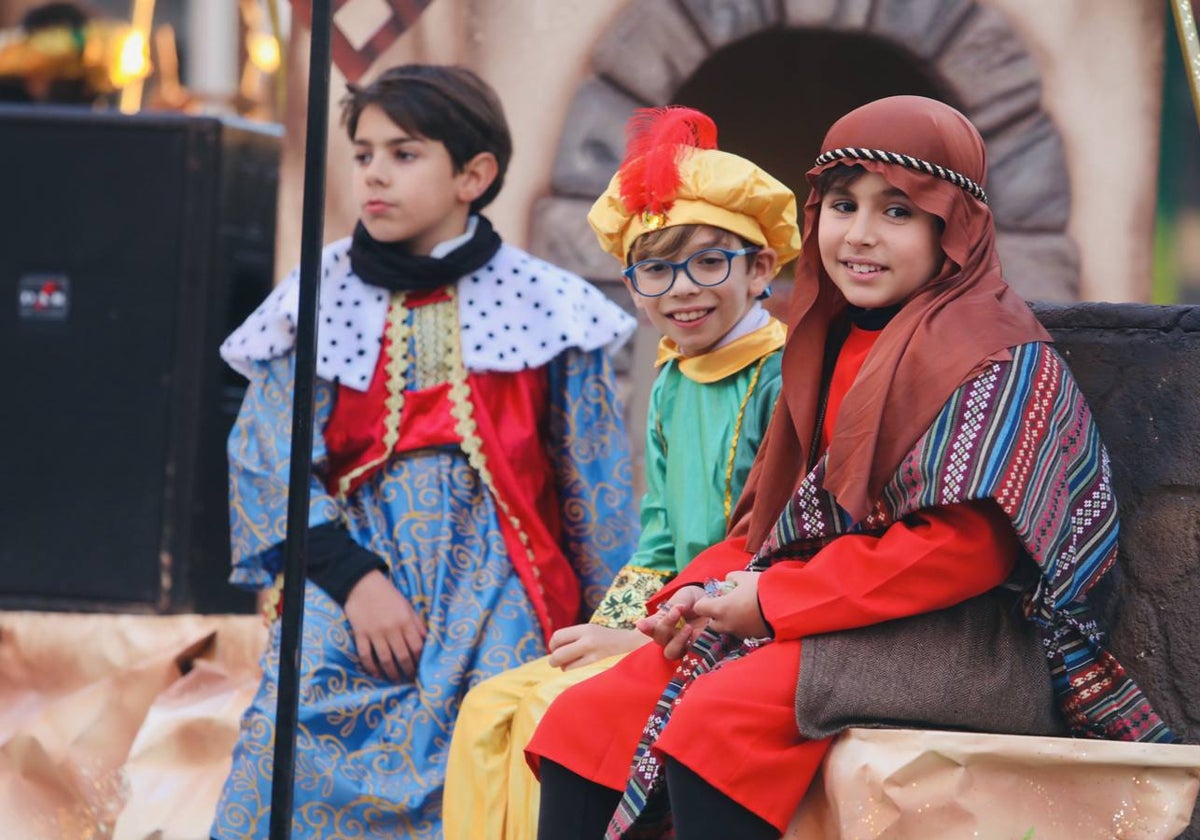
(724, 361)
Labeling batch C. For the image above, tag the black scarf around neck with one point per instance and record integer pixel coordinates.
(392, 266)
(872, 320)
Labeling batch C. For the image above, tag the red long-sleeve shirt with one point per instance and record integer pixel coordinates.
(927, 561)
(933, 559)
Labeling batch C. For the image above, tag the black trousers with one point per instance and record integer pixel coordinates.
(575, 808)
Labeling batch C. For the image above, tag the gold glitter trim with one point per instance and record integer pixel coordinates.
(737, 432)
(462, 410)
(625, 601)
(433, 330)
(398, 331)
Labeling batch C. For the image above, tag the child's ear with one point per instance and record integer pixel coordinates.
(476, 176)
(762, 270)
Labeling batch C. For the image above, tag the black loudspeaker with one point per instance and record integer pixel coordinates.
(131, 245)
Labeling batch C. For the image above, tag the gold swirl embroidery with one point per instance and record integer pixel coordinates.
(737, 432)
(259, 469)
(462, 411)
(398, 332)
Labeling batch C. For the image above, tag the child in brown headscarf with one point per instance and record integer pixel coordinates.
(931, 461)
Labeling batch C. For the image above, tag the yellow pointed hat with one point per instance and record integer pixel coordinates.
(673, 174)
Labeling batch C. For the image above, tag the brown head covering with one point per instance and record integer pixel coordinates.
(963, 318)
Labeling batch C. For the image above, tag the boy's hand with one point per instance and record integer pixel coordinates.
(583, 644)
(736, 612)
(675, 625)
(387, 631)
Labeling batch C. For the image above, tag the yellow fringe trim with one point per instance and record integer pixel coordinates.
(462, 410)
(397, 331)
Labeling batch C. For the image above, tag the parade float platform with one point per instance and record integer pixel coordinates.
(121, 726)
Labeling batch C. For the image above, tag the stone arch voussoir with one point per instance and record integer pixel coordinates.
(654, 46)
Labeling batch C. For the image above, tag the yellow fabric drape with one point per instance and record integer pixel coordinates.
(715, 365)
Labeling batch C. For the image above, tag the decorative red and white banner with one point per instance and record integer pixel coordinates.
(363, 29)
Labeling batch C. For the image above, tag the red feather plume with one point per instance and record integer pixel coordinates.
(657, 138)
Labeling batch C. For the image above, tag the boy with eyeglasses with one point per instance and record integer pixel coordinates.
(701, 232)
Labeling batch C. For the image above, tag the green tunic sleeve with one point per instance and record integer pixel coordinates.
(656, 545)
(653, 562)
(700, 442)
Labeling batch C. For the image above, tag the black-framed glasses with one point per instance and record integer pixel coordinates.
(707, 267)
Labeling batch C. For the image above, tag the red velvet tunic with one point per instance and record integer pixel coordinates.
(736, 727)
(519, 464)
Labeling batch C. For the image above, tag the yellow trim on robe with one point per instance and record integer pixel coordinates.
(737, 436)
(717, 364)
(398, 332)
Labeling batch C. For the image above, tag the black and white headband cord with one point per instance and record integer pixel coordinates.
(907, 161)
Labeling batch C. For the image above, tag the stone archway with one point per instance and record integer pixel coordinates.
(964, 52)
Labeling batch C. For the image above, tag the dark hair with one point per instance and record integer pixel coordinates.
(52, 15)
(666, 241)
(448, 104)
(847, 173)
(839, 176)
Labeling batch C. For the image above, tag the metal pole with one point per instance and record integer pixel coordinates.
(312, 231)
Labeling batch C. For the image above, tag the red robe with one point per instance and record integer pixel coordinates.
(736, 727)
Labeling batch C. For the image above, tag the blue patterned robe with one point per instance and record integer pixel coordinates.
(371, 753)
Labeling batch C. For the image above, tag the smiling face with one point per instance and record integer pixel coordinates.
(877, 246)
(406, 187)
(695, 317)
